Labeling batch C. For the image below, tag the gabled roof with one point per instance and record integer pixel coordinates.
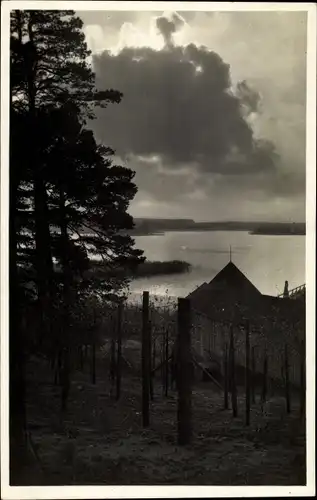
(230, 286)
(229, 280)
(231, 277)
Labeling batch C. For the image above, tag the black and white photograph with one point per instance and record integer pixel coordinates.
(157, 248)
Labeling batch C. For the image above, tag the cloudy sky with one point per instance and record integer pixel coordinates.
(213, 115)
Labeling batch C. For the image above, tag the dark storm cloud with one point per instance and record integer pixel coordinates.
(162, 183)
(248, 96)
(178, 104)
(169, 26)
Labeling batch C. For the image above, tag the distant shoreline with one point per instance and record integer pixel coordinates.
(260, 232)
(158, 227)
(277, 233)
(145, 270)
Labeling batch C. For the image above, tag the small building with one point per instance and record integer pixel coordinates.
(230, 300)
(231, 296)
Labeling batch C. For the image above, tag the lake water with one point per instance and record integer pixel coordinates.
(268, 261)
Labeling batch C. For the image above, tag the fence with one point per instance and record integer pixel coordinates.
(174, 331)
(268, 341)
(209, 336)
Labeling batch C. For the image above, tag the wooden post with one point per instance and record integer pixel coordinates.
(302, 380)
(64, 378)
(247, 374)
(287, 388)
(225, 372)
(234, 401)
(162, 358)
(112, 361)
(58, 367)
(153, 354)
(150, 359)
(81, 358)
(166, 378)
(184, 373)
(209, 342)
(93, 349)
(146, 357)
(153, 363)
(264, 384)
(93, 362)
(253, 375)
(119, 352)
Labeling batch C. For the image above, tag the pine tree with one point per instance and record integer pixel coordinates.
(59, 177)
(49, 54)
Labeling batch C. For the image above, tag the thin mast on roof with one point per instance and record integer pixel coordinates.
(230, 254)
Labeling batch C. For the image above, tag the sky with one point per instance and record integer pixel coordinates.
(212, 118)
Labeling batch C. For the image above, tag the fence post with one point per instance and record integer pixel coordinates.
(225, 370)
(253, 374)
(162, 354)
(150, 358)
(153, 353)
(302, 379)
(93, 362)
(287, 391)
(80, 358)
(234, 401)
(247, 374)
(119, 351)
(93, 350)
(64, 379)
(112, 373)
(166, 378)
(265, 371)
(184, 372)
(146, 354)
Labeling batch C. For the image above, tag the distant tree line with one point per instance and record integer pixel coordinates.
(144, 269)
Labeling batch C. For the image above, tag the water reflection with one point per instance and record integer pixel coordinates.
(268, 261)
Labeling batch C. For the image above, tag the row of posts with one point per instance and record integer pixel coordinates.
(184, 369)
(250, 376)
(184, 372)
(230, 375)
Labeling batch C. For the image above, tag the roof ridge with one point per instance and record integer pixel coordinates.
(229, 268)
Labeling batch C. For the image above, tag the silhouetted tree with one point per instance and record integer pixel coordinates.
(59, 178)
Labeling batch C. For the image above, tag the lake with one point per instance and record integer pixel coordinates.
(268, 261)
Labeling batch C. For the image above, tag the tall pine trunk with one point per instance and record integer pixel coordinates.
(119, 352)
(65, 320)
(17, 383)
(43, 255)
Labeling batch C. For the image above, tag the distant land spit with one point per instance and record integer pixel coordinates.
(149, 226)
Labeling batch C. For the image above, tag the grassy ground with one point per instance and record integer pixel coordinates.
(101, 441)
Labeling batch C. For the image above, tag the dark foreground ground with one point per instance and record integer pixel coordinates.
(101, 441)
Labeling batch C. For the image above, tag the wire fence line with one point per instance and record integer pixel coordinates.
(210, 335)
(268, 341)
(166, 343)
